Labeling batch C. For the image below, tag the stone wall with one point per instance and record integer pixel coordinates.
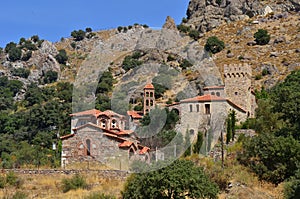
(102, 148)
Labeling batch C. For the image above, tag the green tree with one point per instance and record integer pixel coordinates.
(78, 35)
(62, 56)
(35, 38)
(272, 158)
(262, 37)
(21, 72)
(76, 182)
(88, 29)
(214, 45)
(197, 146)
(50, 77)
(9, 46)
(14, 54)
(180, 179)
(187, 144)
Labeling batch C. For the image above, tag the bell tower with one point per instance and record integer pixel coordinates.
(149, 98)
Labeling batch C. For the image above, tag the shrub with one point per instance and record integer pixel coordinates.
(50, 77)
(35, 38)
(120, 28)
(131, 61)
(145, 26)
(265, 72)
(185, 64)
(28, 45)
(194, 34)
(10, 46)
(20, 72)
(78, 35)
(214, 45)
(27, 55)
(98, 195)
(183, 28)
(184, 20)
(90, 35)
(2, 182)
(76, 182)
(73, 45)
(262, 37)
(138, 108)
(88, 30)
(62, 56)
(13, 180)
(14, 54)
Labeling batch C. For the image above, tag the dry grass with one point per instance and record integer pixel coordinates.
(49, 186)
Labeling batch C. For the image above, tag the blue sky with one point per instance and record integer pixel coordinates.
(54, 19)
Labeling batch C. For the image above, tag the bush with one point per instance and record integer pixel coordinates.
(88, 30)
(76, 182)
(10, 46)
(20, 72)
(120, 28)
(262, 37)
(78, 35)
(98, 195)
(62, 56)
(27, 56)
(14, 54)
(214, 45)
(194, 34)
(50, 77)
(185, 64)
(183, 28)
(131, 61)
(35, 38)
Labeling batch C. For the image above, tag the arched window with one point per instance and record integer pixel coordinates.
(88, 147)
(103, 123)
(147, 94)
(207, 108)
(218, 94)
(147, 102)
(213, 93)
(191, 108)
(151, 94)
(113, 124)
(151, 102)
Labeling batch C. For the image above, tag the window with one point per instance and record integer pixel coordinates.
(218, 94)
(88, 147)
(207, 108)
(151, 102)
(103, 123)
(192, 132)
(113, 124)
(147, 102)
(197, 107)
(151, 94)
(213, 93)
(147, 94)
(191, 108)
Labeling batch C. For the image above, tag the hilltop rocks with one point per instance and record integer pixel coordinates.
(206, 15)
(170, 24)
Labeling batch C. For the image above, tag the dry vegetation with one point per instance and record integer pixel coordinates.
(236, 35)
(49, 186)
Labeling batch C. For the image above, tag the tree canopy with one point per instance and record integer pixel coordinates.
(180, 179)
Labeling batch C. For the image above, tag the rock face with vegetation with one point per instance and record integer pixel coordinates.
(206, 15)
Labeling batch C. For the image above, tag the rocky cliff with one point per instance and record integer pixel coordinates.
(205, 15)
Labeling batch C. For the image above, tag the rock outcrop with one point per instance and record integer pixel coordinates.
(205, 15)
(170, 24)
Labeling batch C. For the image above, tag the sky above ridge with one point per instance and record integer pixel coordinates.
(52, 20)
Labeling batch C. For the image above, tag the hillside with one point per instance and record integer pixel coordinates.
(41, 83)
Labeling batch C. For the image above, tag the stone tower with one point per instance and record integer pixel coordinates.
(238, 85)
(149, 98)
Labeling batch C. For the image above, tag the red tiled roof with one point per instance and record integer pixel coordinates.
(126, 143)
(149, 86)
(236, 105)
(87, 124)
(66, 136)
(134, 114)
(94, 112)
(204, 98)
(109, 113)
(125, 132)
(213, 87)
(144, 150)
